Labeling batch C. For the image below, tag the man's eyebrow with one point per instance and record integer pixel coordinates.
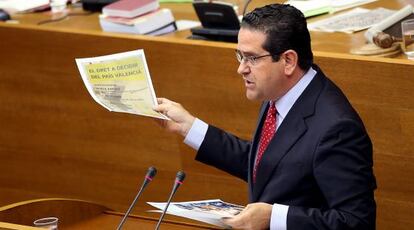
(247, 53)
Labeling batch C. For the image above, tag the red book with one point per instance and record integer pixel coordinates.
(130, 8)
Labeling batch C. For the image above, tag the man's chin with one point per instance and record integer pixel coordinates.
(252, 96)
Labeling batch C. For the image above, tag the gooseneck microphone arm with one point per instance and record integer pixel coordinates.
(246, 4)
(148, 178)
(178, 181)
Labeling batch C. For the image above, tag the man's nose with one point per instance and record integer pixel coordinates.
(243, 68)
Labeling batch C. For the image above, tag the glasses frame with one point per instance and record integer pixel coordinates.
(251, 60)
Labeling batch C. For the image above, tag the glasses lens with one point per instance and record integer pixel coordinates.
(251, 60)
(239, 56)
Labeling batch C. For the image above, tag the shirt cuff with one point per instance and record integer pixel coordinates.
(196, 134)
(278, 220)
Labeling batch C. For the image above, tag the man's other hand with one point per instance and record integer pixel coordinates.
(254, 216)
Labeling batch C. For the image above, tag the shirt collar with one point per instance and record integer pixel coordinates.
(285, 103)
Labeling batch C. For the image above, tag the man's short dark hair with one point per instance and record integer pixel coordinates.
(285, 27)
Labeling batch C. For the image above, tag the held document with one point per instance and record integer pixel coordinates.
(207, 211)
(120, 82)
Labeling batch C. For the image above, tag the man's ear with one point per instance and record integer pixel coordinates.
(290, 58)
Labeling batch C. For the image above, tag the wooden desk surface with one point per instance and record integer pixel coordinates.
(109, 221)
(75, 214)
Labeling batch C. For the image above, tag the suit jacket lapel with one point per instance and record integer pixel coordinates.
(281, 143)
(288, 133)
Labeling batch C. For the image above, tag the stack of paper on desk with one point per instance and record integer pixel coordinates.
(352, 21)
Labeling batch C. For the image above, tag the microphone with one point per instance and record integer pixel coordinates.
(148, 178)
(178, 181)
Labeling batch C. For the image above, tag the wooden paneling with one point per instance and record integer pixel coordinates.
(55, 141)
(58, 142)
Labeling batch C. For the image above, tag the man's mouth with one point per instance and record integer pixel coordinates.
(248, 82)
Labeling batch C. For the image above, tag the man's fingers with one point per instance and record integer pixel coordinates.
(158, 108)
(235, 222)
(229, 221)
(180, 120)
(164, 105)
(161, 100)
(249, 206)
(241, 220)
(162, 108)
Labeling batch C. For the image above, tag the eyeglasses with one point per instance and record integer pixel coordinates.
(251, 60)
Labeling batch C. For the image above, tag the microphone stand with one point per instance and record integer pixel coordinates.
(245, 6)
(150, 174)
(178, 181)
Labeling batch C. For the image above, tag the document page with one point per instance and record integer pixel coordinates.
(352, 21)
(207, 211)
(120, 82)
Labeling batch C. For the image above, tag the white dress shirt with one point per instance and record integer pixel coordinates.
(199, 128)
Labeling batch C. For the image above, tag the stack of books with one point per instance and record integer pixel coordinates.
(137, 17)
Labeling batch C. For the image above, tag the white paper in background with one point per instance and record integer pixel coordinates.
(335, 5)
(186, 24)
(310, 5)
(352, 21)
(13, 6)
(339, 5)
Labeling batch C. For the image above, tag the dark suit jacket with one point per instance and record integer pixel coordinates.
(319, 161)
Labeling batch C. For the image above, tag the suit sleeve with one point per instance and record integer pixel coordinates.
(225, 151)
(342, 168)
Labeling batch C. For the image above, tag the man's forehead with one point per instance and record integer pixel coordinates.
(250, 41)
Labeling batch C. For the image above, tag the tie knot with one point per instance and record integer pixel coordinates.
(271, 112)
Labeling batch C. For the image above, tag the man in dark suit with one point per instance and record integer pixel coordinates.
(309, 165)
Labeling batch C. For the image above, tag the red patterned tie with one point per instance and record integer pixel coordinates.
(268, 130)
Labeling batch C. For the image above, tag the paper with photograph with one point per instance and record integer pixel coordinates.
(120, 82)
(207, 211)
